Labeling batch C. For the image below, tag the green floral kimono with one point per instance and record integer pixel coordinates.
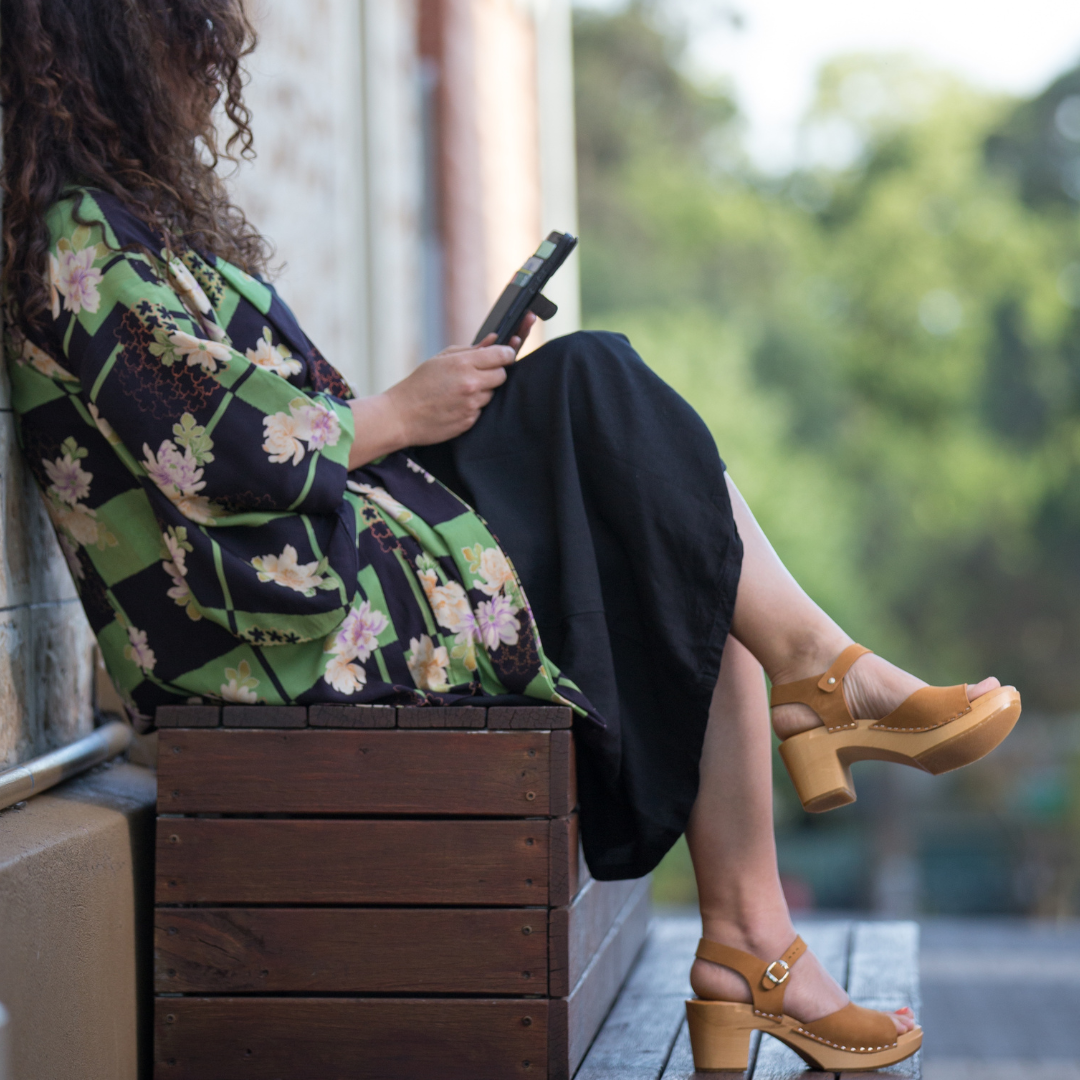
(192, 448)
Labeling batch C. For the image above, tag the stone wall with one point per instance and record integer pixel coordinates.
(46, 647)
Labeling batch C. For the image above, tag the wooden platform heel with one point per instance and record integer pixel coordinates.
(935, 729)
(852, 1039)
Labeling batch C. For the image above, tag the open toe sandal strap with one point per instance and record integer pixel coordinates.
(928, 708)
(823, 693)
(853, 1028)
(767, 980)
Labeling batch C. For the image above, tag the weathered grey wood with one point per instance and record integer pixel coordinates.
(592, 998)
(636, 1038)
(439, 716)
(352, 716)
(680, 1065)
(526, 717)
(264, 716)
(175, 716)
(884, 974)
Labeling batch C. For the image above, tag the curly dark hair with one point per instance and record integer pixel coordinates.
(118, 95)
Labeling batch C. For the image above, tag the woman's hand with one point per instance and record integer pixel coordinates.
(442, 398)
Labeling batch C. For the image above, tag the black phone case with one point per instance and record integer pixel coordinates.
(523, 293)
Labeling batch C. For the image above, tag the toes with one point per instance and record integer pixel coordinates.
(903, 1020)
(976, 690)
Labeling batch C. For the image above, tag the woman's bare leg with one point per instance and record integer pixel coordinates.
(730, 834)
(793, 638)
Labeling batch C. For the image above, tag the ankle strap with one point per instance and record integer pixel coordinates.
(816, 691)
(767, 981)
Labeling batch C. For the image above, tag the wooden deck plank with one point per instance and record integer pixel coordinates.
(635, 1041)
(884, 974)
(829, 941)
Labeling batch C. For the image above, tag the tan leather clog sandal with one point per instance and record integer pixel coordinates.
(936, 729)
(852, 1039)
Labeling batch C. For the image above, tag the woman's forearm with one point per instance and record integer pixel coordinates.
(380, 429)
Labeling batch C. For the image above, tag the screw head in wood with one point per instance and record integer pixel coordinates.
(530, 795)
(526, 930)
(174, 839)
(170, 1018)
(526, 1021)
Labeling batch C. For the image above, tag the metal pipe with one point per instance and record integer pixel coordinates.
(34, 777)
(5, 1046)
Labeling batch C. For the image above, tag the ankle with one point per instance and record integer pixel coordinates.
(808, 653)
(761, 932)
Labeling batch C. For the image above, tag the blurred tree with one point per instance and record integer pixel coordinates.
(886, 343)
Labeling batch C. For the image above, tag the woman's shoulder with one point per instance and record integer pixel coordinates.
(82, 208)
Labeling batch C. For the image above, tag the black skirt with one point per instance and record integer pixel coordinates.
(606, 490)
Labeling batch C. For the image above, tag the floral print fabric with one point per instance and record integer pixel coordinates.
(192, 448)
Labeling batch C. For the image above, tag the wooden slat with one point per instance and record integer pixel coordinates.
(264, 716)
(360, 772)
(200, 716)
(349, 1039)
(352, 716)
(437, 716)
(522, 717)
(565, 870)
(350, 951)
(596, 990)
(577, 932)
(884, 974)
(295, 861)
(563, 771)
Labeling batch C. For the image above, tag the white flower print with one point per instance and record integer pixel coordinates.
(410, 464)
(41, 361)
(343, 676)
(495, 570)
(240, 687)
(286, 433)
(275, 358)
(191, 292)
(497, 623)
(77, 280)
(70, 482)
(383, 499)
(175, 548)
(450, 606)
(199, 351)
(358, 636)
(139, 651)
(428, 664)
(284, 570)
(103, 425)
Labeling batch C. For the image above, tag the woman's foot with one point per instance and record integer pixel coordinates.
(811, 994)
(872, 689)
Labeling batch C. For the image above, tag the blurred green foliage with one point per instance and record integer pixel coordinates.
(887, 351)
(885, 344)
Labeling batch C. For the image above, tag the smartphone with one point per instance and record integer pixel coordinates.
(523, 293)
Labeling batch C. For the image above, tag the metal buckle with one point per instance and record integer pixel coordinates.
(783, 978)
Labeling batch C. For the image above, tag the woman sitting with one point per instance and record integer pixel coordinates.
(242, 529)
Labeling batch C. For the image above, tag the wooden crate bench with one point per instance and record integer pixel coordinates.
(353, 892)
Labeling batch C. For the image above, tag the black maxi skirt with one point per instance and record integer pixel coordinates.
(606, 490)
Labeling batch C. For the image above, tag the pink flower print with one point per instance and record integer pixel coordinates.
(70, 481)
(358, 636)
(324, 429)
(497, 623)
(170, 468)
(78, 280)
(54, 285)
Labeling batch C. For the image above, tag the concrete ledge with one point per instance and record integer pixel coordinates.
(76, 871)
